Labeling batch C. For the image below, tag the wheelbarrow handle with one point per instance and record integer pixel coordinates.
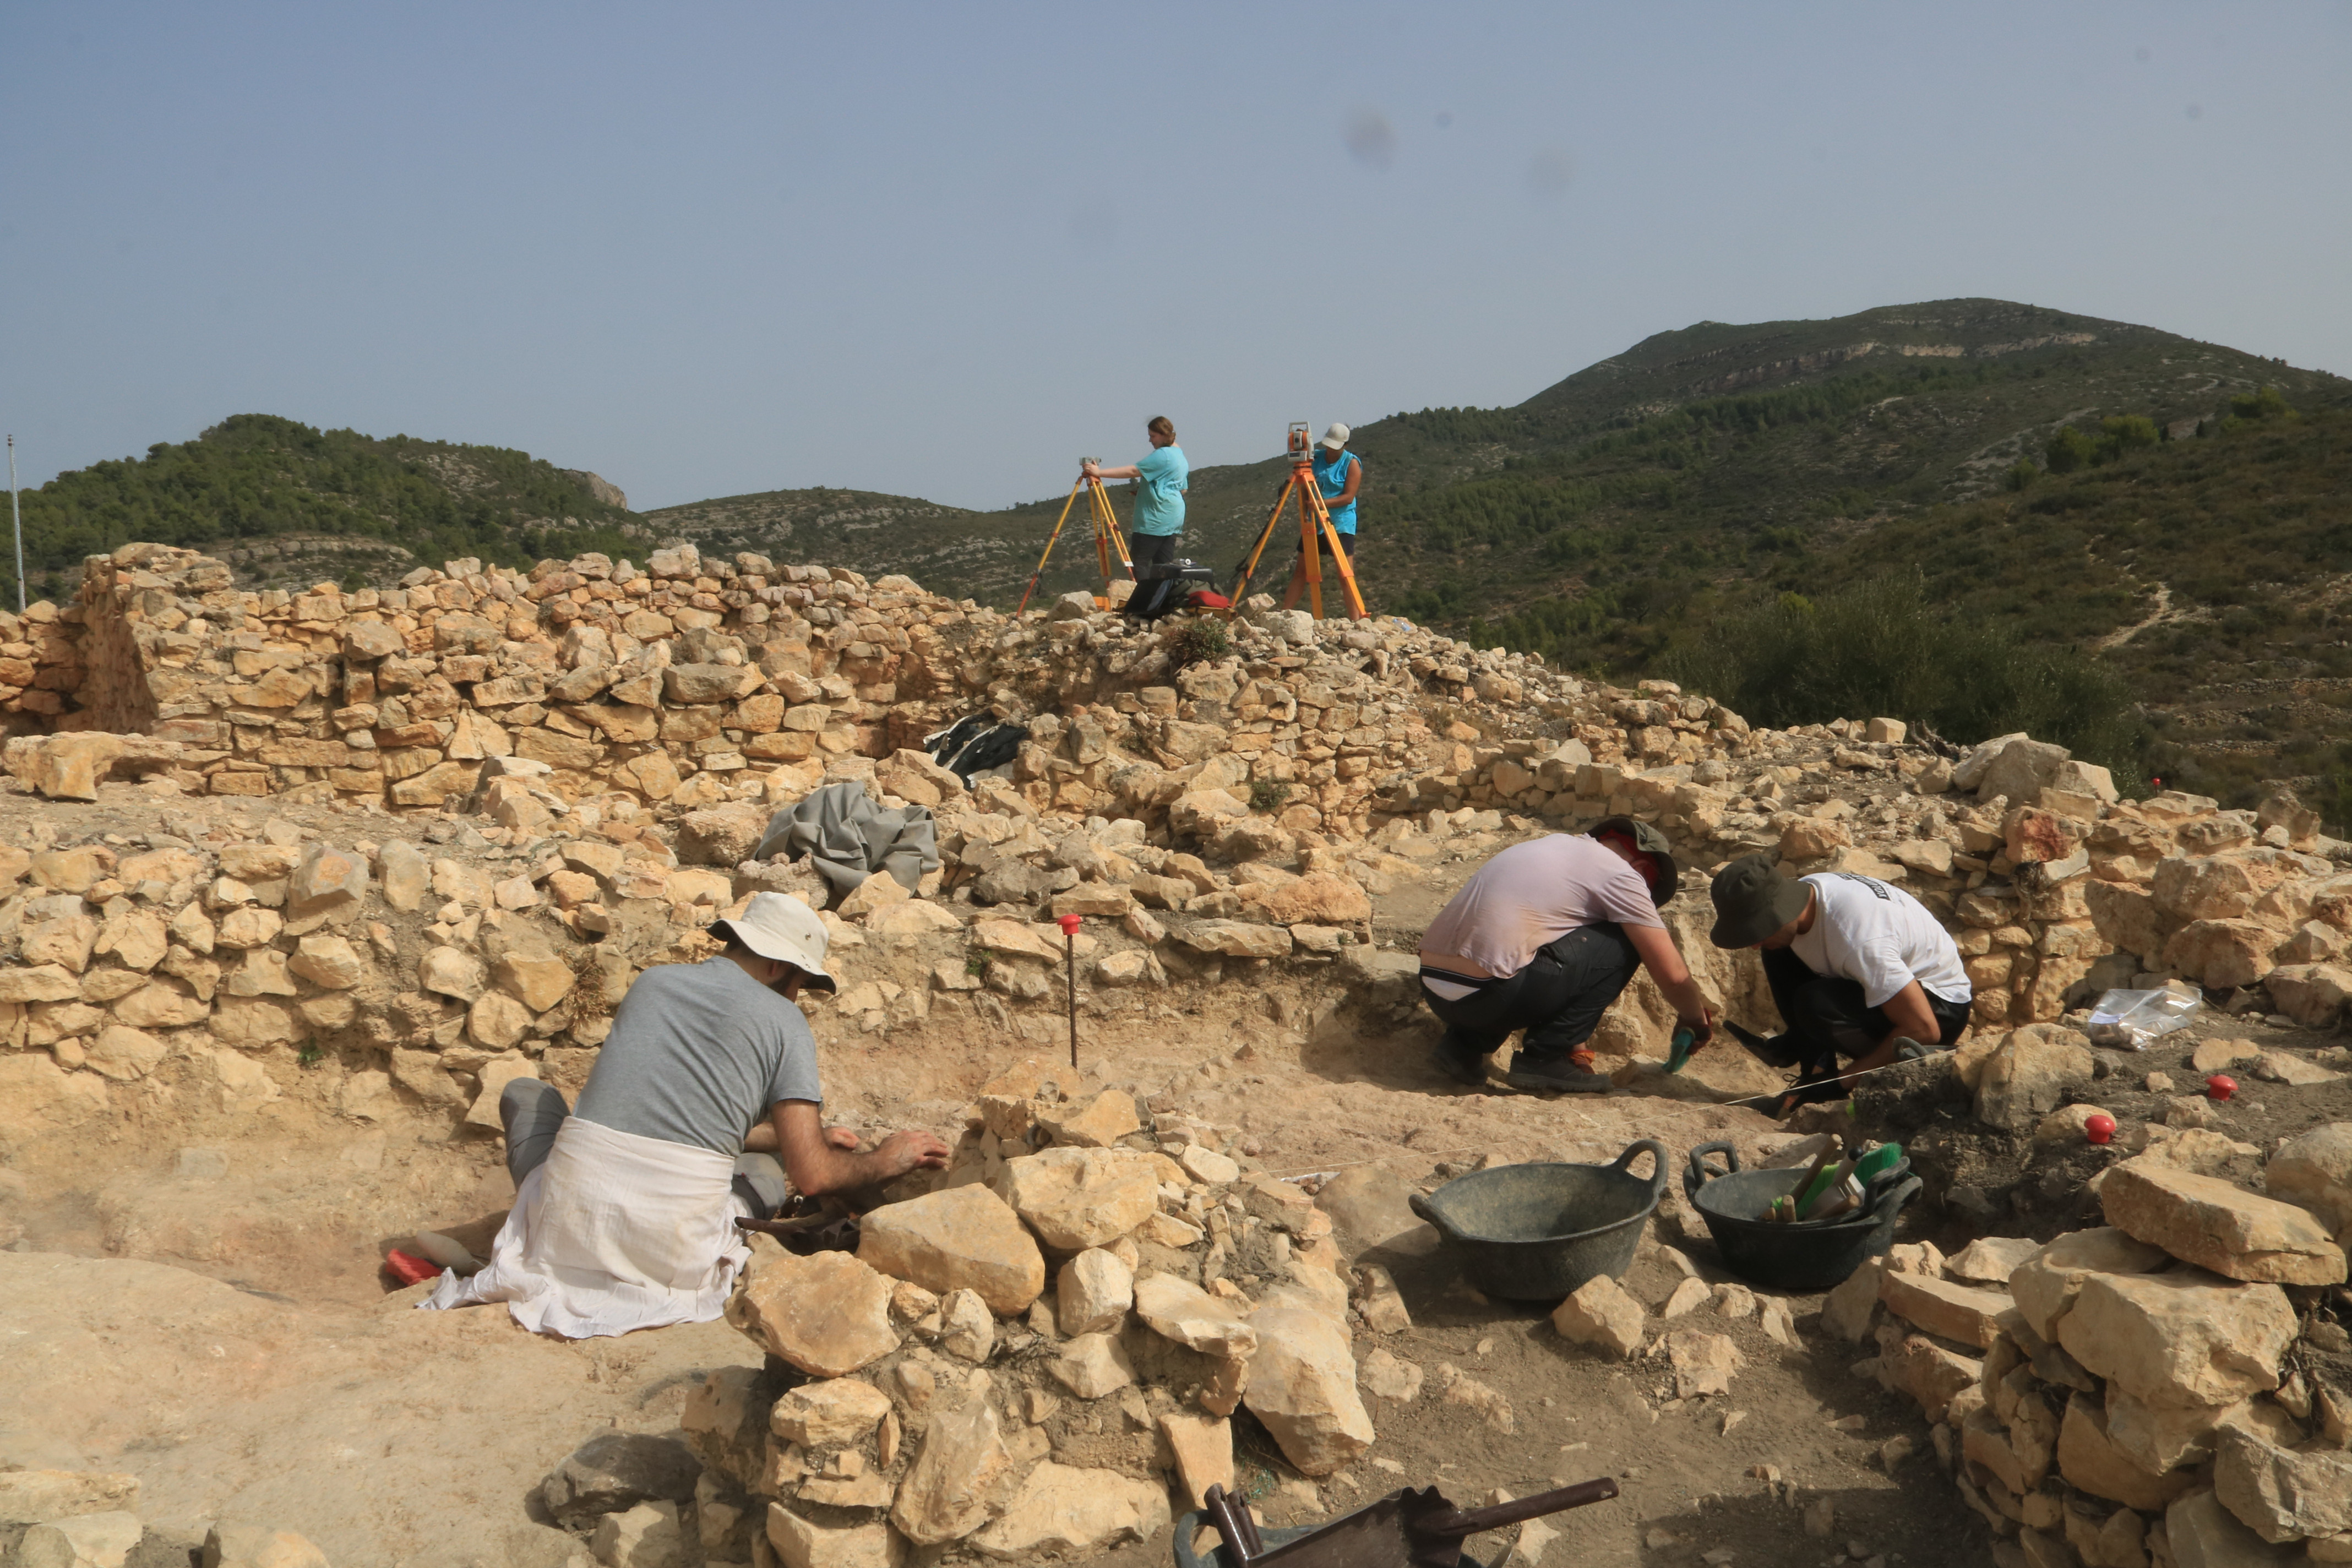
(1471, 1520)
(1696, 1175)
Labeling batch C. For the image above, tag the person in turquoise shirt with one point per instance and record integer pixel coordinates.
(1338, 474)
(1160, 497)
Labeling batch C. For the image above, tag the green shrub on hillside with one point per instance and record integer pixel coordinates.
(257, 476)
(2068, 449)
(1881, 648)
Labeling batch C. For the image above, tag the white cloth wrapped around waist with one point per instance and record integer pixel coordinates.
(613, 1232)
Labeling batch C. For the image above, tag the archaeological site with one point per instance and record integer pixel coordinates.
(299, 884)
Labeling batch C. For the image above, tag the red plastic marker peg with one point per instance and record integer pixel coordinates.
(1069, 924)
(2100, 1128)
(2220, 1086)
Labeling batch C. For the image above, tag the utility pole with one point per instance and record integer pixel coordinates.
(17, 515)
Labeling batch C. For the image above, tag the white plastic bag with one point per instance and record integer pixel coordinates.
(2129, 1020)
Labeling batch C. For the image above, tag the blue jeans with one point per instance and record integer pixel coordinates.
(1558, 999)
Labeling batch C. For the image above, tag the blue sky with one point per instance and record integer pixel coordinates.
(946, 249)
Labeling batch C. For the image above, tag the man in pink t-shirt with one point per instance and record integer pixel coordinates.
(1543, 938)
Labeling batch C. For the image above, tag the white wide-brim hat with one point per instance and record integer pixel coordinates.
(775, 926)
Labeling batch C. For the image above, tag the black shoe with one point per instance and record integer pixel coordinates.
(1773, 1052)
(1557, 1075)
(1462, 1067)
(1910, 1050)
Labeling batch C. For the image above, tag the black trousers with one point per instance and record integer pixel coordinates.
(1151, 549)
(1826, 1017)
(1558, 999)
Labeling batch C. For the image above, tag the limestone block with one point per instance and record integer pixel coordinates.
(1099, 1123)
(962, 1474)
(2089, 1459)
(2210, 1223)
(828, 1314)
(252, 1023)
(2315, 1170)
(1302, 1387)
(41, 983)
(1849, 1309)
(497, 1021)
(2024, 1078)
(1181, 1311)
(1945, 1307)
(2219, 954)
(123, 1054)
(967, 1329)
(328, 962)
(1927, 1373)
(832, 1413)
(1093, 1293)
(2179, 1339)
(69, 766)
(1092, 1365)
(68, 941)
(536, 979)
(2202, 1534)
(1236, 938)
(2019, 769)
(645, 1536)
(327, 880)
(2283, 1496)
(406, 874)
(2313, 995)
(1060, 1511)
(802, 1544)
(452, 972)
(1077, 1198)
(1600, 1313)
(2043, 1286)
(959, 1239)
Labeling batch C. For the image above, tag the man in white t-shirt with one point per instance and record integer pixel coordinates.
(1543, 938)
(1857, 969)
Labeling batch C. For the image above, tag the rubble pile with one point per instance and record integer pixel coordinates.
(2145, 1392)
(1019, 1361)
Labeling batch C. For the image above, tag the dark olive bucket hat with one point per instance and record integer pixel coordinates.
(1752, 901)
(1649, 842)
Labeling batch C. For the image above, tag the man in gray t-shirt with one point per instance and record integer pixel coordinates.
(719, 1055)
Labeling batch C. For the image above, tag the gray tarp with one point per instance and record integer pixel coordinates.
(850, 839)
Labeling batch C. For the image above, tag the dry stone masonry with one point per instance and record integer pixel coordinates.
(418, 841)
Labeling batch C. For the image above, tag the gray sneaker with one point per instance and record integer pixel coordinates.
(1557, 1076)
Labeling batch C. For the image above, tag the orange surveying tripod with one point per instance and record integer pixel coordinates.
(1313, 528)
(1107, 537)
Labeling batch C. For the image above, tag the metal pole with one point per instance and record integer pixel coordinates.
(1069, 924)
(17, 515)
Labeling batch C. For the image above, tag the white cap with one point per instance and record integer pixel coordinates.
(1336, 437)
(776, 926)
